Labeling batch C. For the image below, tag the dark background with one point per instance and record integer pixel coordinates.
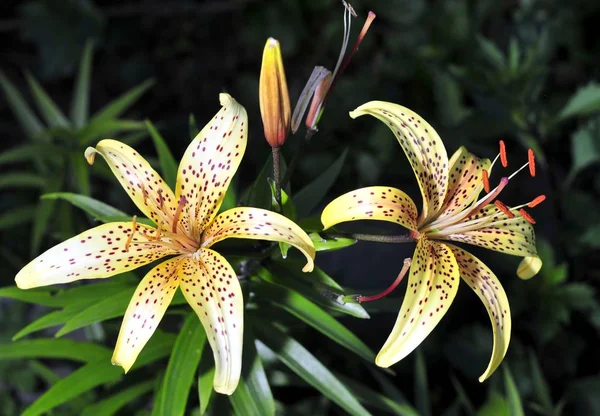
(478, 71)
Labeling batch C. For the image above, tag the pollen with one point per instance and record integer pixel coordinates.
(503, 158)
(527, 216)
(531, 158)
(536, 201)
(486, 181)
(502, 207)
(133, 228)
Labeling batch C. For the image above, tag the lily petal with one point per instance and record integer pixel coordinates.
(529, 267)
(432, 286)
(513, 236)
(96, 253)
(464, 181)
(144, 185)
(210, 162)
(487, 286)
(423, 147)
(373, 203)
(259, 224)
(146, 308)
(212, 289)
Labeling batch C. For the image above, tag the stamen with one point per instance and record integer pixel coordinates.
(503, 157)
(538, 200)
(531, 158)
(527, 216)
(504, 209)
(486, 181)
(158, 233)
(144, 193)
(160, 198)
(133, 230)
(405, 267)
(182, 202)
(518, 170)
(370, 17)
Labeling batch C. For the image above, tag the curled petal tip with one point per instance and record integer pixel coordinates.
(90, 155)
(225, 98)
(529, 267)
(308, 267)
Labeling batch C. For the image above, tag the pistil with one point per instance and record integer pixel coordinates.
(390, 289)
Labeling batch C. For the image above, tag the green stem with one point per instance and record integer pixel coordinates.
(276, 176)
(299, 152)
(392, 239)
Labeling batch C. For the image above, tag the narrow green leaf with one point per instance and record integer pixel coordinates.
(172, 397)
(81, 380)
(121, 104)
(40, 296)
(495, 405)
(25, 116)
(306, 366)
(540, 386)
(493, 55)
(330, 244)
(44, 212)
(50, 111)
(462, 398)
(81, 173)
(80, 103)
(206, 374)
(253, 395)
(159, 346)
(93, 207)
(421, 386)
(308, 197)
(316, 317)
(230, 199)
(17, 216)
(21, 180)
(512, 393)
(49, 320)
(585, 101)
(168, 165)
(97, 130)
(53, 348)
(375, 399)
(112, 404)
(26, 152)
(52, 378)
(259, 193)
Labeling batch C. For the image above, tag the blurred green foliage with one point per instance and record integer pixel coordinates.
(479, 71)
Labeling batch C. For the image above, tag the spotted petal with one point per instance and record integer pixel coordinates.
(210, 162)
(432, 286)
(464, 181)
(143, 184)
(96, 253)
(487, 286)
(513, 236)
(259, 224)
(423, 147)
(212, 289)
(373, 203)
(146, 308)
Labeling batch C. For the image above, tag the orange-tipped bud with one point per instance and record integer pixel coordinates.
(316, 105)
(537, 200)
(531, 158)
(503, 158)
(275, 108)
(486, 181)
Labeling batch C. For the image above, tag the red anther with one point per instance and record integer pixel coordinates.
(527, 216)
(504, 209)
(486, 181)
(538, 200)
(503, 158)
(182, 202)
(531, 158)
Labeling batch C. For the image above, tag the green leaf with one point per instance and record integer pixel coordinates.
(206, 374)
(230, 199)
(93, 207)
(50, 111)
(331, 243)
(491, 53)
(540, 386)
(495, 405)
(253, 395)
(40, 296)
(310, 196)
(17, 216)
(26, 152)
(168, 165)
(316, 317)
(259, 193)
(25, 116)
(515, 407)
(288, 209)
(172, 397)
(49, 320)
(421, 385)
(44, 212)
(585, 101)
(81, 173)
(585, 148)
(121, 104)
(83, 379)
(114, 403)
(306, 366)
(193, 127)
(101, 129)
(53, 348)
(21, 180)
(80, 103)
(316, 286)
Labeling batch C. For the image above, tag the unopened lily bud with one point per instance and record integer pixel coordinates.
(273, 94)
(529, 267)
(316, 106)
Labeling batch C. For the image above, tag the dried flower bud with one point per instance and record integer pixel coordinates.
(316, 106)
(273, 94)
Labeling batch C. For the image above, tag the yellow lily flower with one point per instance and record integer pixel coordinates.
(452, 210)
(187, 226)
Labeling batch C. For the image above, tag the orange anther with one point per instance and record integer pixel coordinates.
(538, 200)
(133, 230)
(486, 181)
(503, 158)
(531, 158)
(504, 209)
(526, 215)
